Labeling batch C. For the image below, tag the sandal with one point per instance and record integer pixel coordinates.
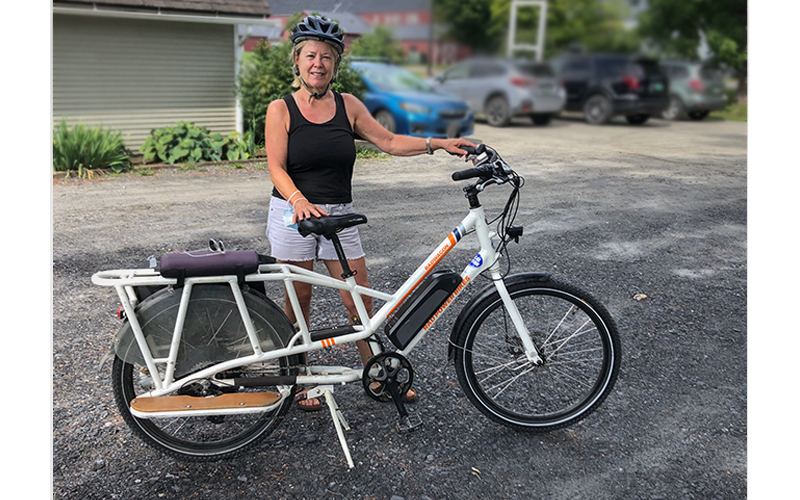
(406, 398)
(300, 397)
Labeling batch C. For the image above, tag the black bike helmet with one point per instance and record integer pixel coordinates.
(319, 28)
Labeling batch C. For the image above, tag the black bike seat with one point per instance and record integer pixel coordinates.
(327, 226)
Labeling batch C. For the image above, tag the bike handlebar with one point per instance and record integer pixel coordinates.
(488, 166)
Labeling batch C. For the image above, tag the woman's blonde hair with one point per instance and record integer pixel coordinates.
(296, 53)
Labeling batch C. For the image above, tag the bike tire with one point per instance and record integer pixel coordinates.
(198, 438)
(575, 335)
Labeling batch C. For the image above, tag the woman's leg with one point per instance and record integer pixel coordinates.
(303, 291)
(360, 268)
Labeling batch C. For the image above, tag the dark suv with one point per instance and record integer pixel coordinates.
(602, 86)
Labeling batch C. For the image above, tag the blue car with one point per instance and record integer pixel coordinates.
(404, 104)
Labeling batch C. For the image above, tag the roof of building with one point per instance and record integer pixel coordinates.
(289, 7)
(259, 8)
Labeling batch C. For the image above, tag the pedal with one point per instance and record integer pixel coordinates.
(409, 422)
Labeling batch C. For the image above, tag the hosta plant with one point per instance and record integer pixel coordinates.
(189, 143)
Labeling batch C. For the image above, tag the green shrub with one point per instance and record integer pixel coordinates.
(186, 142)
(268, 76)
(380, 43)
(84, 148)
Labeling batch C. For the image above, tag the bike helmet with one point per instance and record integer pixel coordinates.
(319, 28)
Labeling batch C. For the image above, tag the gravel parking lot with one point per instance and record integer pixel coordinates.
(652, 220)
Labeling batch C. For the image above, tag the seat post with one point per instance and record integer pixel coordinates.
(337, 245)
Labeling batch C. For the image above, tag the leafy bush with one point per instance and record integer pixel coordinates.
(268, 76)
(186, 142)
(84, 148)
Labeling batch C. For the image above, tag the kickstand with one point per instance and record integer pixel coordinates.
(336, 416)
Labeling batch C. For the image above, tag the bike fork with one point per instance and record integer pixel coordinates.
(531, 351)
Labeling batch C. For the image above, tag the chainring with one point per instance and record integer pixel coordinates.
(384, 369)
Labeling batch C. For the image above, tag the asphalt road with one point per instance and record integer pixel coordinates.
(656, 211)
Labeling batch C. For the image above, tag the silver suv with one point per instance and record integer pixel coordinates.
(501, 89)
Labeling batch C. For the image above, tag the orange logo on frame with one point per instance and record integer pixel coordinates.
(328, 342)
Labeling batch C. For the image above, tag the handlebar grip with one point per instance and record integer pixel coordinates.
(468, 173)
(474, 151)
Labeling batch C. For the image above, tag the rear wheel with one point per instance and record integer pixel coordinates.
(497, 112)
(598, 109)
(203, 438)
(576, 338)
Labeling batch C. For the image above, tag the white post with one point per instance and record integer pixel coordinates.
(512, 28)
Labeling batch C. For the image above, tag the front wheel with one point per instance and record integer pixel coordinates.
(575, 336)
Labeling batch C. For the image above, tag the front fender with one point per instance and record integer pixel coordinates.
(482, 295)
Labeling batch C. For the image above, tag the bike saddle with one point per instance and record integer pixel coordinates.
(332, 224)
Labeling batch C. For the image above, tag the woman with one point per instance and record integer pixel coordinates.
(311, 152)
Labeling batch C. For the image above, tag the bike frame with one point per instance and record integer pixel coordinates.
(487, 259)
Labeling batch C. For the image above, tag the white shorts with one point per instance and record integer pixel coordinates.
(288, 245)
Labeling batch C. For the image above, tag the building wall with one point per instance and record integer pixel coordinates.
(135, 75)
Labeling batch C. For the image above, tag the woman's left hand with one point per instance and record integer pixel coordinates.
(453, 146)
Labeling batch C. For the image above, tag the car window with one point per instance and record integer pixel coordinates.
(612, 67)
(538, 70)
(486, 70)
(647, 67)
(713, 74)
(393, 79)
(577, 65)
(456, 72)
(678, 72)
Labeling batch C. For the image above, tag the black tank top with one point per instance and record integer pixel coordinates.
(320, 157)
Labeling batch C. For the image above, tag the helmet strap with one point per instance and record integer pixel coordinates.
(315, 95)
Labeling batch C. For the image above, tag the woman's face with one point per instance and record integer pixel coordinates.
(317, 62)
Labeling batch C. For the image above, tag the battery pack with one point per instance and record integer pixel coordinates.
(420, 306)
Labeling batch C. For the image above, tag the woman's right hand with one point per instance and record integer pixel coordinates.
(303, 209)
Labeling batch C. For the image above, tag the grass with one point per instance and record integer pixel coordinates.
(364, 152)
(732, 112)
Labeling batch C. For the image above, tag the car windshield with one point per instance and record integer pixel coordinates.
(393, 79)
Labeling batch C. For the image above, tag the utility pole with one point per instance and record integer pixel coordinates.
(512, 28)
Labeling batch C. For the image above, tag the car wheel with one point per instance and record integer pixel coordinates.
(597, 109)
(497, 112)
(698, 115)
(542, 119)
(676, 109)
(386, 120)
(637, 119)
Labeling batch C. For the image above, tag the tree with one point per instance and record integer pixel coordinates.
(595, 25)
(677, 27)
(379, 42)
(468, 22)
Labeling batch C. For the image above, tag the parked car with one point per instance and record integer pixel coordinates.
(403, 103)
(695, 90)
(602, 86)
(501, 89)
